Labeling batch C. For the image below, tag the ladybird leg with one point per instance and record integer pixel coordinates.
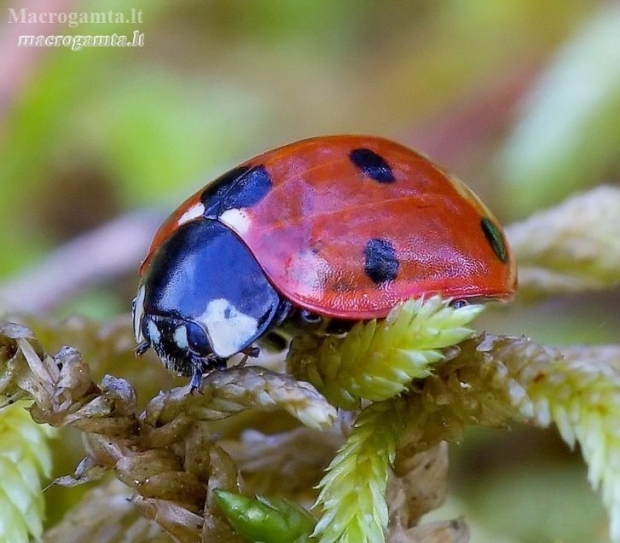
(307, 317)
(318, 325)
(252, 352)
(142, 348)
(218, 363)
(196, 383)
(200, 366)
(248, 352)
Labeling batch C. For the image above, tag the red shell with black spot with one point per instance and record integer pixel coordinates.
(348, 226)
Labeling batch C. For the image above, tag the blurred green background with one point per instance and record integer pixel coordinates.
(520, 98)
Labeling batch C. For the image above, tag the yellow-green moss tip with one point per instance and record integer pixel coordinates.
(378, 359)
(352, 494)
(24, 458)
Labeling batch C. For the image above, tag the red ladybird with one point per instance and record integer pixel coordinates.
(335, 226)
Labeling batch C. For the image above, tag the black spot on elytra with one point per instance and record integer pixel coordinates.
(372, 165)
(495, 238)
(380, 264)
(241, 187)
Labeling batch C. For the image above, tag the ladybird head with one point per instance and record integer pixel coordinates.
(182, 344)
(202, 299)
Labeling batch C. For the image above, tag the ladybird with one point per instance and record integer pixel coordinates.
(340, 227)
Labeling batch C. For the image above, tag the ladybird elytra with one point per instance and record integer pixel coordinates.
(336, 226)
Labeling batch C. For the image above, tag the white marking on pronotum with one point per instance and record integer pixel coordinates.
(229, 330)
(138, 313)
(237, 219)
(192, 213)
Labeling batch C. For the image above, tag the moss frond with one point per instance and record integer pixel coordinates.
(580, 393)
(376, 360)
(237, 389)
(25, 458)
(572, 247)
(352, 497)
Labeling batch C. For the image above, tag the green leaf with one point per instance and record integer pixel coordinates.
(266, 519)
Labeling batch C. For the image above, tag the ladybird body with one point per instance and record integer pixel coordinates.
(338, 226)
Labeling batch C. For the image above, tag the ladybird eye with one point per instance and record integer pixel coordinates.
(198, 340)
(457, 304)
